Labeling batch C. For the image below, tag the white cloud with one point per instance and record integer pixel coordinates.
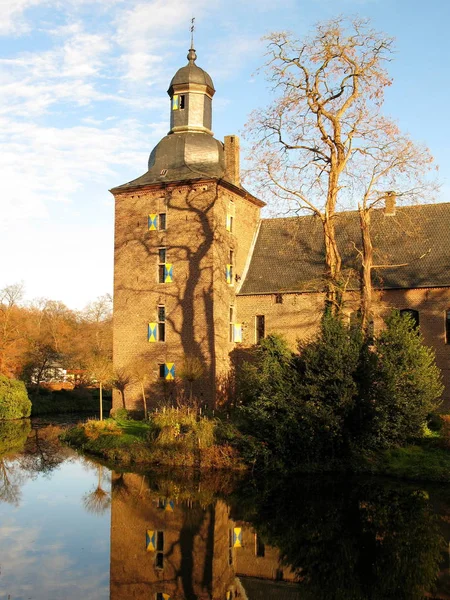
(11, 15)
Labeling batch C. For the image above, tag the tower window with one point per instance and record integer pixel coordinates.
(278, 298)
(162, 221)
(260, 328)
(165, 269)
(162, 252)
(260, 548)
(162, 371)
(447, 326)
(182, 101)
(161, 323)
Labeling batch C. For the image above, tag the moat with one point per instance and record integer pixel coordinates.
(71, 528)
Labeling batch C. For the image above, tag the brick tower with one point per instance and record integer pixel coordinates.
(183, 233)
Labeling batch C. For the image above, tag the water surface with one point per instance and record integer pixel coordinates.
(72, 529)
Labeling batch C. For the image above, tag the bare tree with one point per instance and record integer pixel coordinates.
(390, 168)
(328, 89)
(121, 380)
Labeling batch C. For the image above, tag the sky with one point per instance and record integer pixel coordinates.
(83, 101)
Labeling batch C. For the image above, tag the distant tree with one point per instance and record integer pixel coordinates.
(10, 330)
(329, 89)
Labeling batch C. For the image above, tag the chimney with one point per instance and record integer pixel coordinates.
(389, 204)
(232, 159)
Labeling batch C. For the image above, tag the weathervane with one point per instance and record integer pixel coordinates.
(192, 31)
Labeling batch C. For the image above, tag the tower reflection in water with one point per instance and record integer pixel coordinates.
(166, 546)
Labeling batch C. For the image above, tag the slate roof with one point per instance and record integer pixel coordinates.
(289, 252)
(181, 157)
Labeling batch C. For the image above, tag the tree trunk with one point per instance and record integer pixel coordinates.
(101, 401)
(144, 400)
(333, 265)
(366, 271)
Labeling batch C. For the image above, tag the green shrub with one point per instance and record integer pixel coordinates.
(119, 414)
(14, 401)
(339, 396)
(405, 385)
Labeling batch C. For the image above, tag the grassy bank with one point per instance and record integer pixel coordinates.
(427, 461)
(179, 438)
(173, 438)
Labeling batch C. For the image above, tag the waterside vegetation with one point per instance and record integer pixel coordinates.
(343, 402)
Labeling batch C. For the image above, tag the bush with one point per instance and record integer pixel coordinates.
(14, 401)
(339, 396)
(93, 429)
(405, 385)
(119, 414)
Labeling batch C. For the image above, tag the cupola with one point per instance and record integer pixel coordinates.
(191, 91)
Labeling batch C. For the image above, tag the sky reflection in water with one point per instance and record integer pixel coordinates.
(51, 547)
(306, 538)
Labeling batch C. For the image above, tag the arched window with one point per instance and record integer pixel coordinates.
(414, 314)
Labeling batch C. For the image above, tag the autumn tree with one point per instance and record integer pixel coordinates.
(328, 88)
(10, 331)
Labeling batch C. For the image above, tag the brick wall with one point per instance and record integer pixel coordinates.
(197, 302)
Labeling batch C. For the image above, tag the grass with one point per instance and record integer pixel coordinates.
(424, 461)
(173, 438)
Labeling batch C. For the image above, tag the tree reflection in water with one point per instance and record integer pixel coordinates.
(98, 500)
(362, 540)
(371, 540)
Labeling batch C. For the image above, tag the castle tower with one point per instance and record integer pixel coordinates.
(183, 232)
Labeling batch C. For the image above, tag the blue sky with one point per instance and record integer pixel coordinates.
(83, 101)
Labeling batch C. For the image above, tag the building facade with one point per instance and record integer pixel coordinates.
(198, 273)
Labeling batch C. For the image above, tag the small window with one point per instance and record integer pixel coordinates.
(413, 314)
(182, 101)
(231, 336)
(159, 560)
(162, 371)
(162, 265)
(230, 546)
(260, 328)
(161, 323)
(447, 326)
(260, 549)
(159, 541)
(162, 221)
(278, 298)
